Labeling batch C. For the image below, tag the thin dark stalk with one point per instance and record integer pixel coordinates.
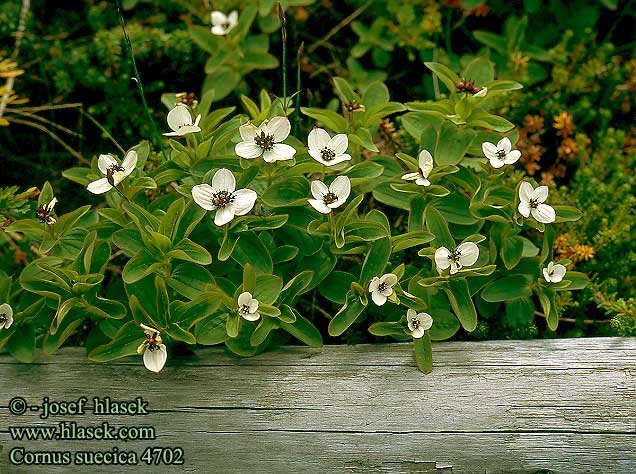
(104, 131)
(283, 22)
(298, 87)
(137, 77)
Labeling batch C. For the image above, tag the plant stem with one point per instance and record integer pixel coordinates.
(137, 78)
(104, 131)
(283, 30)
(298, 87)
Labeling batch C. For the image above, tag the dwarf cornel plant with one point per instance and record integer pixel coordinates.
(231, 233)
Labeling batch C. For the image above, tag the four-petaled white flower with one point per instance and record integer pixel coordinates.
(532, 202)
(554, 273)
(223, 197)
(501, 153)
(6, 316)
(44, 211)
(425, 164)
(382, 287)
(464, 255)
(180, 121)
(328, 198)
(222, 23)
(326, 150)
(266, 140)
(418, 323)
(248, 306)
(154, 351)
(114, 172)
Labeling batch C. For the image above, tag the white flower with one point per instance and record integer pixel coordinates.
(222, 23)
(501, 153)
(326, 150)
(481, 92)
(382, 287)
(114, 172)
(223, 198)
(418, 323)
(425, 163)
(554, 273)
(155, 353)
(248, 306)
(180, 121)
(328, 198)
(44, 212)
(6, 316)
(265, 140)
(464, 255)
(531, 202)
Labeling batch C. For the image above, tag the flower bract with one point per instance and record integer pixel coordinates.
(531, 201)
(114, 172)
(418, 323)
(464, 255)
(266, 140)
(330, 197)
(223, 197)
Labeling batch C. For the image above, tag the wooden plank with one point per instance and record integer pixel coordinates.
(500, 406)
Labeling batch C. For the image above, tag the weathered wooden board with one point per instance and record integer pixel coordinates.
(562, 406)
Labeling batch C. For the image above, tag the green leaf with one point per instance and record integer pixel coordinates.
(577, 280)
(232, 324)
(296, 286)
(453, 143)
(375, 261)
(547, 298)
(448, 77)
(481, 118)
(170, 222)
(347, 315)
(250, 249)
(519, 312)
(290, 192)
(343, 218)
(567, 214)
(268, 288)
(462, 304)
(345, 91)
(480, 70)
(21, 345)
(52, 342)
(125, 343)
(211, 331)
(262, 331)
(445, 325)
(506, 288)
(393, 328)
(191, 252)
(512, 251)
(191, 280)
(329, 118)
(140, 266)
(438, 226)
(302, 329)
(424, 353)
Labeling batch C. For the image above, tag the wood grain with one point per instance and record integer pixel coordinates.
(562, 406)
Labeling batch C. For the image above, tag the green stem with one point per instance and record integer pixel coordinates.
(283, 22)
(137, 78)
(122, 193)
(298, 88)
(104, 131)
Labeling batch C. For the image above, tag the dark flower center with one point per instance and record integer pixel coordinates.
(532, 204)
(43, 213)
(111, 171)
(382, 286)
(501, 154)
(330, 198)
(244, 309)
(415, 323)
(3, 318)
(222, 198)
(266, 142)
(327, 154)
(454, 256)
